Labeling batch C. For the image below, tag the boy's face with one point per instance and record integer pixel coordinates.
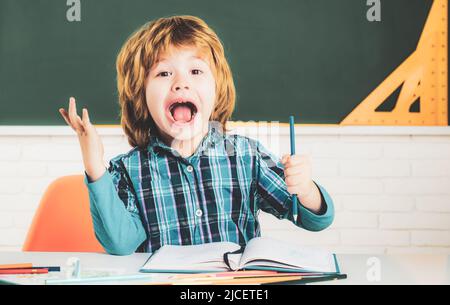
(180, 93)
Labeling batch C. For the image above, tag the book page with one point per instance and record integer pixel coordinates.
(267, 252)
(192, 257)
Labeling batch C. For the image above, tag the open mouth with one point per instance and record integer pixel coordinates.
(183, 112)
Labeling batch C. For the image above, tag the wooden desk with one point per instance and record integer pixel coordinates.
(393, 269)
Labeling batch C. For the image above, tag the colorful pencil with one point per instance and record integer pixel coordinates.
(16, 266)
(23, 271)
(292, 136)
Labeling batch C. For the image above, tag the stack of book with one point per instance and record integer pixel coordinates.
(263, 260)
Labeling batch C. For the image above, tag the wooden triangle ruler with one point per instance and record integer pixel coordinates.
(423, 78)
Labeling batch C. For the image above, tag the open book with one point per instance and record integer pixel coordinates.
(260, 253)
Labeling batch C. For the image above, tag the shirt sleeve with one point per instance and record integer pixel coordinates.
(117, 223)
(273, 197)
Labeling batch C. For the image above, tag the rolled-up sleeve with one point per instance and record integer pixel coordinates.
(274, 198)
(116, 219)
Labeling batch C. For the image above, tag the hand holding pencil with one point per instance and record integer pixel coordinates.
(298, 178)
(298, 175)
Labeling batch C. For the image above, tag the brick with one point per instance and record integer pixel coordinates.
(6, 220)
(308, 144)
(433, 203)
(74, 139)
(19, 202)
(10, 248)
(417, 151)
(270, 222)
(8, 168)
(10, 185)
(430, 238)
(375, 168)
(325, 168)
(431, 139)
(375, 138)
(418, 250)
(375, 238)
(348, 150)
(112, 151)
(59, 169)
(415, 221)
(345, 186)
(355, 220)
(417, 186)
(10, 152)
(23, 220)
(37, 186)
(25, 140)
(52, 152)
(304, 238)
(59, 139)
(359, 250)
(431, 168)
(12, 236)
(368, 178)
(338, 201)
(378, 203)
(24, 169)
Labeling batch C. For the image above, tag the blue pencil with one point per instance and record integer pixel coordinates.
(292, 135)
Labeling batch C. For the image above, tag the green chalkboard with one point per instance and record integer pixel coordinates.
(316, 59)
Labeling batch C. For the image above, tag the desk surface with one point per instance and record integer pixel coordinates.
(361, 269)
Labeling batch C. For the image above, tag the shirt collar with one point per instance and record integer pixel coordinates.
(213, 138)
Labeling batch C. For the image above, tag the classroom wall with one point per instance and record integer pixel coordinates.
(391, 185)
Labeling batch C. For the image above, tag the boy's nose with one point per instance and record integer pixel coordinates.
(180, 85)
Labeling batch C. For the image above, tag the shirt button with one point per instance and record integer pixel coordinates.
(190, 168)
(198, 213)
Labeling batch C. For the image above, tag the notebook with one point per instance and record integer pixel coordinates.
(260, 253)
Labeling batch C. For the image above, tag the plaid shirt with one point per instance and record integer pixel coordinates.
(154, 197)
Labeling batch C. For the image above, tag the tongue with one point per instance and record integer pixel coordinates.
(182, 113)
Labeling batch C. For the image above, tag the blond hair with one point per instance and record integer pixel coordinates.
(142, 50)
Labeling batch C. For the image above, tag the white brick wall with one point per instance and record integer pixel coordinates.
(391, 186)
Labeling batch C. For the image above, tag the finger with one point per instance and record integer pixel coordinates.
(285, 160)
(297, 160)
(74, 118)
(293, 180)
(86, 116)
(67, 119)
(81, 124)
(65, 116)
(73, 111)
(293, 170)
(302, 164)
(86, 120)
(301, 156)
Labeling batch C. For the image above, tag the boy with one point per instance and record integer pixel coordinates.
(186, 181)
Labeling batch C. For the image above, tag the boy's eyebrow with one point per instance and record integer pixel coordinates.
(197, 57)
(156, 64)
(192, 57)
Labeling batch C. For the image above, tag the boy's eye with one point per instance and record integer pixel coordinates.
(164, 73)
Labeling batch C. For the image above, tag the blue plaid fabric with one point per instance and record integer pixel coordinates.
(213, 195)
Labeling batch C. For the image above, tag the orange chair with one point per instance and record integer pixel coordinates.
(63, 221)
